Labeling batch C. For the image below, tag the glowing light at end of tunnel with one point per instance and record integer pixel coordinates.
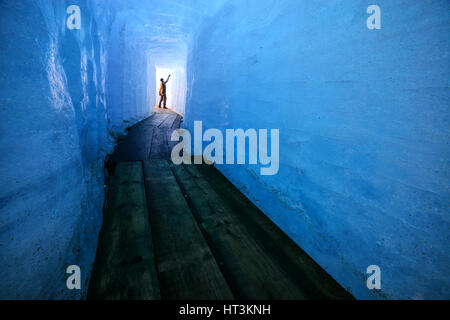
(176, 87)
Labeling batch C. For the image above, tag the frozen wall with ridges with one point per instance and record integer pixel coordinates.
(364, 130)
(53, 141)
(64, 96)
(127, 81)
(363, 117)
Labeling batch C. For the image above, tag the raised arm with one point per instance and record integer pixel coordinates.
(167, 79)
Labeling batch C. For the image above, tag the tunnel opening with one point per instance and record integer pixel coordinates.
(176, 87)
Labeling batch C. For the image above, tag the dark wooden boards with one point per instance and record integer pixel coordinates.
(135, 146)
(248, 266)
(186, 232)
(125, 265)
(175, 126)
(161, 145)
(185, 264)
(148, 139)
(316, 282)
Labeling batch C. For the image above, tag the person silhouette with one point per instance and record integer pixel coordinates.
(162, 92)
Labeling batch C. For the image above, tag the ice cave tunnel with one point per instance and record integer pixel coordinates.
(362, 115)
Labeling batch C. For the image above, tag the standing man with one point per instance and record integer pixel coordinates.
(162, 92)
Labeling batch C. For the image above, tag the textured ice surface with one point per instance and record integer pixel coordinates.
(53, 140)
(363, 119)
(65, 95)
(364, 130)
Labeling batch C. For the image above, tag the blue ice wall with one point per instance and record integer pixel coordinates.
(128, 80)
(65, 95)
(363, 119)
(53, 141)
(364, 130)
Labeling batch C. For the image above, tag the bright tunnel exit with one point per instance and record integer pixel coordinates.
(176, 87)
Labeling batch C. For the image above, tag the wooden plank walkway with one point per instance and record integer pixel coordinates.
(148, 139)
(187, 269)
(125, 253)
(185, 232)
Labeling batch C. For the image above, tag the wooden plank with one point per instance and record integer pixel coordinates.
(175, 126)
(168, 122)
(293, 259)
(160, 144)
(154, 131)
(186, 266)
(153, 121)
(251, 273)
(176, 122)
(135, 146)
(253, 270)
(125, 266)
